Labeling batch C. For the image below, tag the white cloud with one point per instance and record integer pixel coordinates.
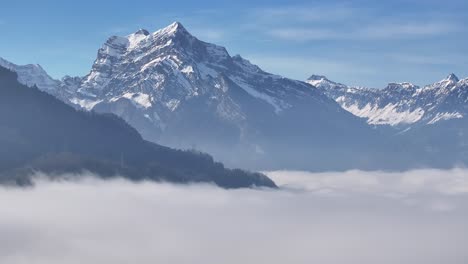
(305, 34)
(350, 22)
(370, 31)
(328, 218)
(407, 30)
(428, 59)
(306, 13)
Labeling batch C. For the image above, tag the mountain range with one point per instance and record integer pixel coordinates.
(401, 104)
(429, 119)
(179, 91)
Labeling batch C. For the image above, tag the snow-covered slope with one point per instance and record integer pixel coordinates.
(166, 68)
(32, 75)
(401, 104)
(161, 72)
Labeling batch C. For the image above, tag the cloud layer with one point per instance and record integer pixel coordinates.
(330, 218)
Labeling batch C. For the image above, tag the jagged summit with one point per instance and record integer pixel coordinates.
(452, 77)
(444, 85)
(116, 46)
(315, 77)
(142, 32)
(321, 81)
(176, 25)
(173, 29)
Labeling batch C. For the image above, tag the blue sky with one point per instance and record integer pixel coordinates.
(368, 43)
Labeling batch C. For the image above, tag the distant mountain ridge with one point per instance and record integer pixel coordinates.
(401, 104)
(32, 75)
(430, 121)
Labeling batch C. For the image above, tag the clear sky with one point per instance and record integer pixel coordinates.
(368, 43)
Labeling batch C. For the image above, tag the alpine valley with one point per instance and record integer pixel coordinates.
(182, 92)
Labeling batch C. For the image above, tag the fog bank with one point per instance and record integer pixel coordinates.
(329, 218)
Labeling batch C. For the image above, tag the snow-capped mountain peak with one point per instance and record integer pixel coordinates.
(161, 73)
(444, 86)
(143, 52)
(32, 75)
(315, 77)
(452, 78)
(174, 28)
(321, 81)
(142, 31)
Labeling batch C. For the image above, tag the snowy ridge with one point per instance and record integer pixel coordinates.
(31, 75)
(400, 104)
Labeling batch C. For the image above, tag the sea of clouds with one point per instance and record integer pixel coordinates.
(414, 217)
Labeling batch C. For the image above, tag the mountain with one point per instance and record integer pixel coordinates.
(401, 104)
(182, 92)
(429, 122)
(32, 75)
(179, 91)
(38, 132)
